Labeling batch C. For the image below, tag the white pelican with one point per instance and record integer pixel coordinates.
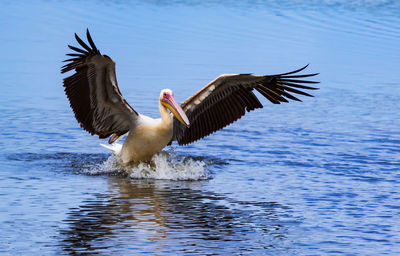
(100, 109)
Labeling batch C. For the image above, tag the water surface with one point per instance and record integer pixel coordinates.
(310, 178)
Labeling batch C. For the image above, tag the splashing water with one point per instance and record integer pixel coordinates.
(162, 166)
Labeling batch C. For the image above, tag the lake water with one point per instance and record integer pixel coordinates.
(305, 178)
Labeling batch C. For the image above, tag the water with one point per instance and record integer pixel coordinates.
(310, 178)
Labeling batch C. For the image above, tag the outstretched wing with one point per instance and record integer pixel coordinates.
(93, 92)
(228, 97)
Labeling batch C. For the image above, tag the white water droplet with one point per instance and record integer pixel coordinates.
(162, 166)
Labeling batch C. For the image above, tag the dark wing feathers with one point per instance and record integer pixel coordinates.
(93, 92)
(227, 98)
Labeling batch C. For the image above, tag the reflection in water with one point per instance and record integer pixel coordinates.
(96, 223)
(158, 215)
(146, 214)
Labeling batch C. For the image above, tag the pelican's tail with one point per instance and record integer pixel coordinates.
(115, 148)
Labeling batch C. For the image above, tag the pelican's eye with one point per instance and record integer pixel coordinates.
(165, 94)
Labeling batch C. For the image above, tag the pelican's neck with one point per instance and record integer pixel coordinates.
(166, 118)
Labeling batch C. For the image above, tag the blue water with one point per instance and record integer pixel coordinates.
(305, 178)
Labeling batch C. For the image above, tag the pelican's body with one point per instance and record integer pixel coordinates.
(149, 137)
(100, 109)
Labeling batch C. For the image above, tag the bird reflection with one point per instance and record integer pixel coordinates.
(155, 215)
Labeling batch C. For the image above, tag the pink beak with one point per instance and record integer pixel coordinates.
(176, 110)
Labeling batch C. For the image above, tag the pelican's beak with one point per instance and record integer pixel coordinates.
(170, 103)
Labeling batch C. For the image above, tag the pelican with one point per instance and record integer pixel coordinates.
(100, 108)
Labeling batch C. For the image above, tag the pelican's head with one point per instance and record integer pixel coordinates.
(168, 101)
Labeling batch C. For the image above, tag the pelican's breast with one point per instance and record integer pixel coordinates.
(149, 137)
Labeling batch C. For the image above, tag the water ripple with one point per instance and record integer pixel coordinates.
(310, 178)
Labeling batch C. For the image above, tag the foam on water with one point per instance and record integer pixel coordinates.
(162, 166)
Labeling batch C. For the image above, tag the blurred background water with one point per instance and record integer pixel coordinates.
(310, 178)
